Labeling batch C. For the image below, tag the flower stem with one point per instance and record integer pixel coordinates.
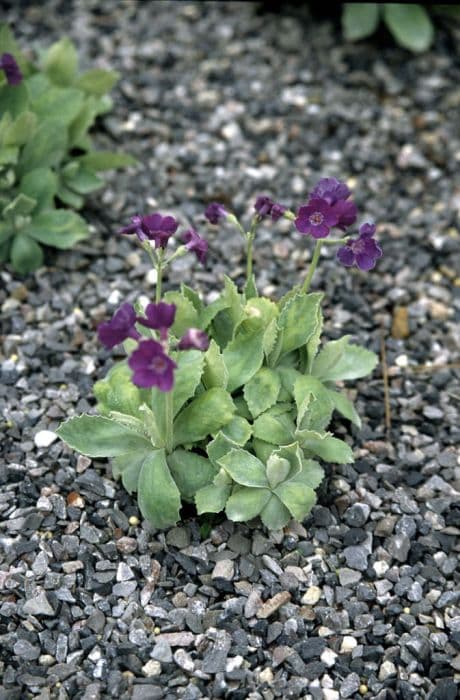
(312, 268)
(159, 267)
(250, 240)
(169, 416)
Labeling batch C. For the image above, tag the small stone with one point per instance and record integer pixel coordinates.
(26, 650)
(387, 669)
(380, 567)
(44, 438)
(350, 685)
(266, 676)
(348, 644)
(162, 652)
(126, 545)
(177, 639)
(312, 596)
(357, 515)
(184, 660)
(71, 567)
(399, 546)
(40, 565)
(124, 572)
(330, 694)
(178, 537)
(328, 657)
(225, 569)
(273, 604)
(356, 557)
(348, 577)
(38, 605)
(125, 589)
(133, 520)
(151, 668)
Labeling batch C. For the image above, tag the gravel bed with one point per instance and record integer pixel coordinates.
(224, 101)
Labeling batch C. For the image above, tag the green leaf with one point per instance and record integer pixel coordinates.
(288, 377)
(243, 356)
(26, 254)
(9, 156)
(72, 199)
(58, 228)
(215, 372)
(97, 81)
(226, 321)
(329, 448)
(313, 402)
(46, 149)
(190, 471)
(244, 468)
(187, 376)
(14, 99)
(275, 515)
(245, 503)
(96, 436)
(262, 449)
(242, 407)
(278, 469)
(293, 458)
(22, 205)
(208, 313)
(312, 345)
(21, 130)
(186, 314)
(250, 289)
(238, 430)
(63, 104)
(129, 466)
(311, 473)
(204, 416)
(116, 392)
(344, 406)
(212, 498)
(262, 390)
(276, 429)
(106, 160)
(298, 321)
(219, 447)
(192, 296)
(82, 122)
(158, 495)
(359, 20)
(8, 44)
(41, 185)
(297, 497)
(60, 62)
(338, 360)
(410, 25)
(84, 182)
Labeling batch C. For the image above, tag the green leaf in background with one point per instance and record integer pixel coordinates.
(204, 416)
(158, 496)
(278, 429)
(191, 472)
(329, 448)
(14, 99)
(215, 372)
(226, 321)
(59, 228)
(21, 129)
(244, 468)
(359, 19)
(344, 406)
(243, 356)
(106, 160)
(192, 296)
(40, 184)
(8, 44)
(9, 156)
(26, 254)
(208, 313)
(46, 149)
(63, 104)
(186, 314)
(129, 466)
(339, 360)
(22, 205)
(72, 199)
(275, 515)
(262, 390)
(187, 376)
(246, 503)
(83, 181)
(97, 81)
(212, 498)
(311, 348)
(410, 25)
(298, 321)
(60, 62)
(96, 436)
(238, 430)
(82, 122)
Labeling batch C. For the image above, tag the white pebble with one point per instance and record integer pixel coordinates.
(44, 438)
(151, 668)
(348, 644)
(312, 596)
(328, 657)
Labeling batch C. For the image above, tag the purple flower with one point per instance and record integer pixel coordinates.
(363, 251)
(265, 206)
(316, 218)
(331, 190)
(121, 327)
(160, 317)
(11, 69)
(215, 212)
(151, 366)
(196, 244)
(194, 339)
(346, 214)
(153, 227)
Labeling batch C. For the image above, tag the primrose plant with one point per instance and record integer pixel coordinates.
(227, 404)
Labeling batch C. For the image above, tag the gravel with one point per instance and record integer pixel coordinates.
(224, 101)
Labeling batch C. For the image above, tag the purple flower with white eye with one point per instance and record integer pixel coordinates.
(9, 66)
(215, 212)
(363, 252)
(316, 218)
(194, 339)
(265, 206)
(159, 317)
(331, 190)
(121, 327)
(152, 366)
(153, 227)
(196, 244)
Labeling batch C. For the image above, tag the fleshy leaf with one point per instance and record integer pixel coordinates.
(277, 469)
(129, 466)
(186, 314)
(275, 515)
(61, 62)
(97, 436)
(314, 407)
(186, 377)
(410, 25)
(158, 495)
(244, 468)
(26, 254)
(359, 19)
(204, 416)
(311, 473)
(344, 406)
(297, 322)
(329, 448)
(40, 184)
(219, 447)
(245, 503)
(262, 390)
(46, 149)
(238, 430)
(212, 498)
(243, 356)
(224, 324)
(190, 471)
(106, 160)
(57, 227)
(22, 205)
(297, 497)
(339, 360)
(276, 429)
(116, 392)
(215, 372)
(209, 312)
(20, 131)
(97, 81)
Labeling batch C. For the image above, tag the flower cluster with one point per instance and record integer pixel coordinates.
(327, 207)
(9, 66)
(265, 206)
(150, 362)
